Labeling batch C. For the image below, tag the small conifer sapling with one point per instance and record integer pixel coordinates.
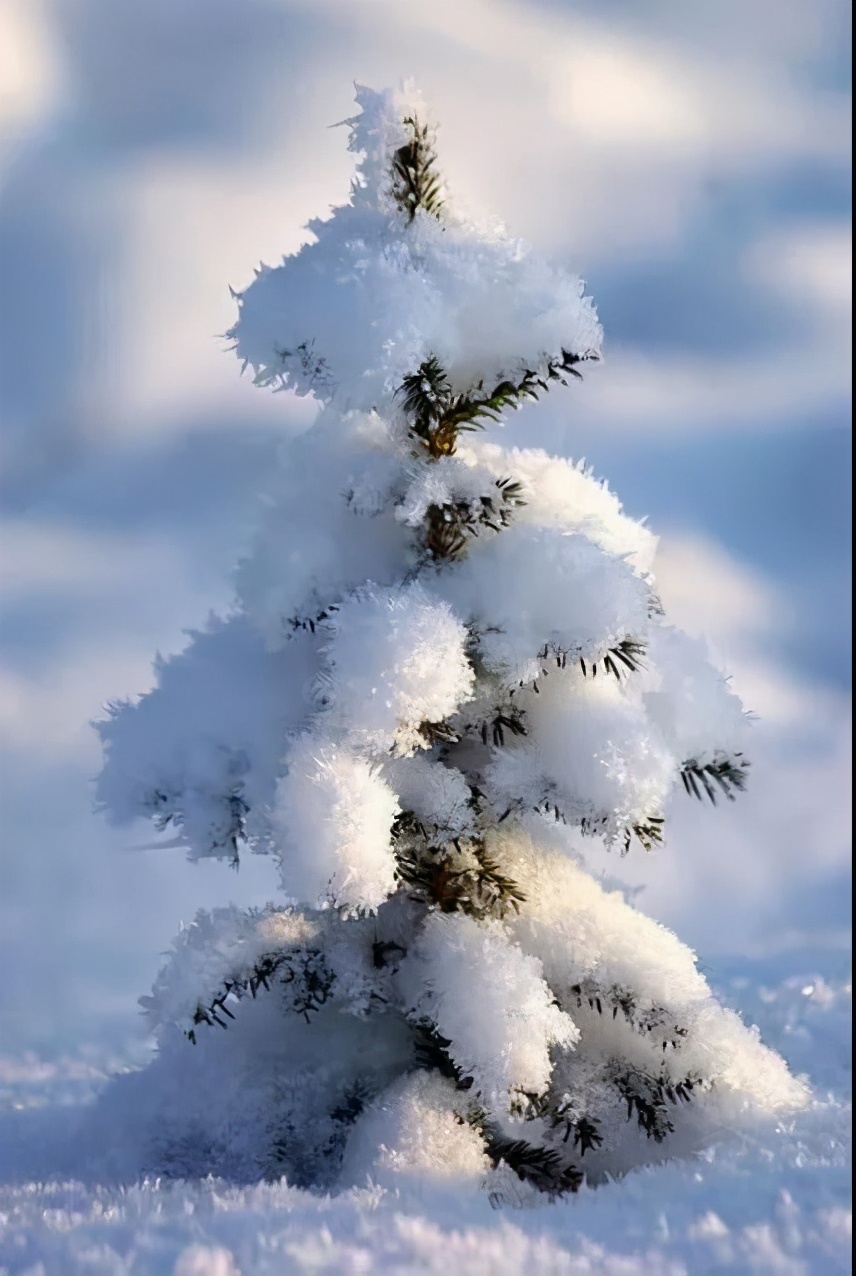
(446, 675)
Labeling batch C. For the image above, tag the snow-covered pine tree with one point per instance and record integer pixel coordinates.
(446, 673)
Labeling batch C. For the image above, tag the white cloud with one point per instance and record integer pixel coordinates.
(810, 265)
(31, 74)
(117, 598)
(194, 229)
(44, 556)
(48, 715)
(673, 391)
(706, 591)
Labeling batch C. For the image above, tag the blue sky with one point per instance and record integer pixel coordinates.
(691, 161)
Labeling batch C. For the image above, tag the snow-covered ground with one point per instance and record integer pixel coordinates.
(779, 1205)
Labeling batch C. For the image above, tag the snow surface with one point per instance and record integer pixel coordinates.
(777, 1205)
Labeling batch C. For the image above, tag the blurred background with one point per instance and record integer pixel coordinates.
(691, 161)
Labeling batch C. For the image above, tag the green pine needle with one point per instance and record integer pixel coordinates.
(728, 774)
(415, 181)
(436, 414)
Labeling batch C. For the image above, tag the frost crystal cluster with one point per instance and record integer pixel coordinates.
(447, 672)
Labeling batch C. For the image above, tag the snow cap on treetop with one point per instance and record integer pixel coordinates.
(386, 283)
